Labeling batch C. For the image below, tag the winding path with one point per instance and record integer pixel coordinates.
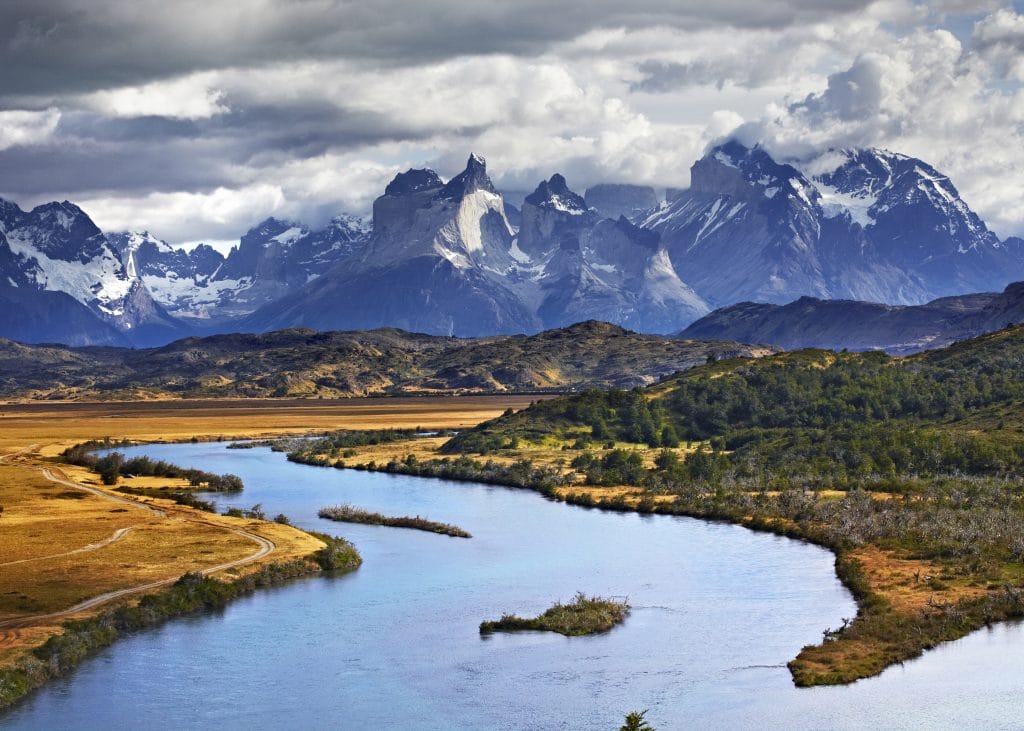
(266, 547)
(118, 535)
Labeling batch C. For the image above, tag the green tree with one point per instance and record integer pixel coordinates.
(635, 722)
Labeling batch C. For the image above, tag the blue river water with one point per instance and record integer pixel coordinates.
(717, 612)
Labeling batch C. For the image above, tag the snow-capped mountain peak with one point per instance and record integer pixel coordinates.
(878, 187)
(555, 194)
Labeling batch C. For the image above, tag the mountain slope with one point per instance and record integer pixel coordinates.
(273, 259)
(40, 316)
(57, 248)
(871, 225)
(304, 363)
(844, 324)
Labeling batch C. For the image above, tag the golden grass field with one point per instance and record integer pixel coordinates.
(45, 526)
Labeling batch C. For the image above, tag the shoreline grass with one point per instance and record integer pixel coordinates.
(352, 514)
(584, 615)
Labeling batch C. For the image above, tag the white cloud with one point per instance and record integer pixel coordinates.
(20, 127)
(187, 97)
(999, 38)
(220, 214)
(316, 126)
(927, 96)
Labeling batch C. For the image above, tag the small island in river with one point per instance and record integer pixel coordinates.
(582, 616)
(352, 514)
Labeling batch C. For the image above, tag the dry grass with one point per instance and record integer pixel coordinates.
(42, 520)
(58, 425)
(909, 584)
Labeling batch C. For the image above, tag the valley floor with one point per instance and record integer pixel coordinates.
(66, 539)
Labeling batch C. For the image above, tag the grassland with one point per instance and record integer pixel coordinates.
(56, 426)
(63, 545)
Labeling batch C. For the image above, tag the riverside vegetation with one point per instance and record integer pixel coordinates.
(909, 469)
(582, 616)
(352, 514)
(192, 593)
(112, 466)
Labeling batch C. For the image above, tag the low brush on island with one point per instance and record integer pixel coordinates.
(582, 616)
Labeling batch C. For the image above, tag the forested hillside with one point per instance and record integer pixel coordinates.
(817, 417)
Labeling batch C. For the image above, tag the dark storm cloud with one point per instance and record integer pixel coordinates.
(54, 47)
(139, 155)
(138, 166)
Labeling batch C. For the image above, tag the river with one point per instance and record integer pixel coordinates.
(717, 612)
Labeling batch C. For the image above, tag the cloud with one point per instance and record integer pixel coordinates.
(62, 46)
(999, 38)
(189, 97)
(148, 110)
(20, 127)
(925, 95)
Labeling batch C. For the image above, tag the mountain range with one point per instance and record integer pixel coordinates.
(843, 324)
(306, 363)
(454, 258)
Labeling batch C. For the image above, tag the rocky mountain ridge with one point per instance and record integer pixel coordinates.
(453, 258)
(844, 324)
(307, 364)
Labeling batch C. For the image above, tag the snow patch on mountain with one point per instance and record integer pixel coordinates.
(100, 281)
(857, 205)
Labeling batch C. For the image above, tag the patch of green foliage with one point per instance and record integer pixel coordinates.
(192, 593)
(352, 514)
(522, 473)
(180, 498)
(582, 616)
(635, 721)
(941, 432)
(114, 465)
(809, 418)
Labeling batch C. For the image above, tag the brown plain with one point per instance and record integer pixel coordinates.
(45, 525)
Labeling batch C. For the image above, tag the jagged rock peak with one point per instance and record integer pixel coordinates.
(67, 216)
(470, 180)
(9, 209)
(744, 172)
(644, 237)
(414, 181)
(555, 193)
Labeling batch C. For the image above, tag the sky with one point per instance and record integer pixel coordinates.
(195, 119)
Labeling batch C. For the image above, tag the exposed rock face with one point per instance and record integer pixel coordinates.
(57, 248)
(876, 226)
(443, 258)
(436, 262)
(618, 272)
(613, 200)
(271, 260)
(455, 258)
